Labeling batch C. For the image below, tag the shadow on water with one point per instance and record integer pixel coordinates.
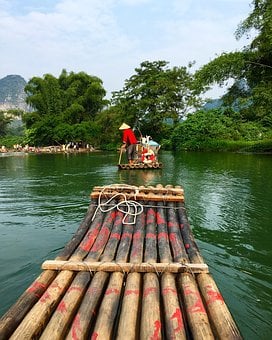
(43, 198)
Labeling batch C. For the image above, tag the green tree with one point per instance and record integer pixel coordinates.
(60, 105)
(4, 121)
(156, 94)
(251, 68)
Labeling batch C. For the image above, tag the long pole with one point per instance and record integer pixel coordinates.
(121, 151)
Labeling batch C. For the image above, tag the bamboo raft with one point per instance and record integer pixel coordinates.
(140, 166)
(132, 270)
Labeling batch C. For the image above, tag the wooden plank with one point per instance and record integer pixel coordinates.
(130, 188)
(140, 196)
(126, 267)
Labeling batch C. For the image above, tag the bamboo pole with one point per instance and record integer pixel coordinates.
(86, 315)
(176, 241)
(60, 320)
(163, 238)
(131, 299)
(137, 248)
(174, 325)
(150, 254)
(188, 237)
(67, 307)
(151, 327)
(127, 327)
(220, 316)
(196, 314)
(103, 328)
(126, 267)
(11, 319)
(35, 321)
(124, 246)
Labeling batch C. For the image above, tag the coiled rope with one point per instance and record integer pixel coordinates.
(128, 207)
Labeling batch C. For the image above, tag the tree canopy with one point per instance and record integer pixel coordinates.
(155, 94)
(64, 108)
(251, 68)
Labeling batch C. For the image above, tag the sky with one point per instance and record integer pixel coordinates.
(110, 38)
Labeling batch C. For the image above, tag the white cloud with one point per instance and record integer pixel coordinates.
(110, 38)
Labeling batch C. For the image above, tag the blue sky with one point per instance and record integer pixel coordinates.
(110, 38)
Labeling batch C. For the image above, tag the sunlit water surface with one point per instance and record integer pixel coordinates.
(228, 197)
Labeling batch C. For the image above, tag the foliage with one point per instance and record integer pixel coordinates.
(205, 128)
(9, 141)
(4, 121)
(156, 94)
(251, 67)
(63, 108)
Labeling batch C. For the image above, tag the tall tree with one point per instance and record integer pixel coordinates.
(156, 93)
(4, 121)
(251, 68)
(61, 104)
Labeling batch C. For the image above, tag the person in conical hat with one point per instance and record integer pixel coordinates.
(124, 126)
(129, 142)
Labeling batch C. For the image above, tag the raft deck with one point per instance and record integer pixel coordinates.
(132, 270)
(140, 166)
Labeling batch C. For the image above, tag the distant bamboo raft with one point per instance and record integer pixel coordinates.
(140, 166)
(132, 270)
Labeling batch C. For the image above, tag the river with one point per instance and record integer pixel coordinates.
(44, 197)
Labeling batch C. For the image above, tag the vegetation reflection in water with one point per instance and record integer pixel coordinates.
(43, 198)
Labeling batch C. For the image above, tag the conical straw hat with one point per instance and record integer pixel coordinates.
(124, 126)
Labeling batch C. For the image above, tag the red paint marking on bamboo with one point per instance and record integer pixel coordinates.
(45, 297)
(157, 330)
(128, 235)
(178, 316)
(88, 242)
(94, 290)
(76, 327)
(197, 306)
(137, 235)
(36, 285)
(214, 296)
(187, 245)
(132, 291)
(173, 238)
(149, 290)
(115, 235)
(112, 291)
(168, 290)
(160, 219)
(70, 289)
(163, 235)
(94, 336)
(62, 307)
(150, 235)
(101, 240)
(151, 212)
(171, 224)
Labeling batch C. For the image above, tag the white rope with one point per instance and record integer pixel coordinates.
(132, 208)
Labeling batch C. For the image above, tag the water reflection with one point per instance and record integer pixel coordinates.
(43, 198)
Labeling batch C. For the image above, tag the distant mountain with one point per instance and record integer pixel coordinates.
(12, 95)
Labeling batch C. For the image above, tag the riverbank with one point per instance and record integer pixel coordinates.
(45, 149)
(241, 146)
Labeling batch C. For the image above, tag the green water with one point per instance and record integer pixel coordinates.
(228, 197)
